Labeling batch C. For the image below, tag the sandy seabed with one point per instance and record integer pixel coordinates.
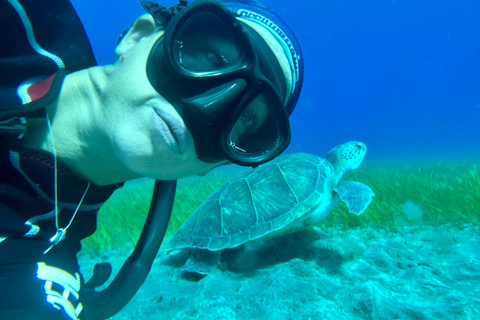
(417, 272)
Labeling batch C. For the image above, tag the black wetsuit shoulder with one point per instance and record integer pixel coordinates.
(41, 41)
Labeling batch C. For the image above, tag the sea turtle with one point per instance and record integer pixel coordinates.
(288, 194)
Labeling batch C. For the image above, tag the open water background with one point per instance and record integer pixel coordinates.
(401, 75)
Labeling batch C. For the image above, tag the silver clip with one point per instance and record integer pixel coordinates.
(59, 236)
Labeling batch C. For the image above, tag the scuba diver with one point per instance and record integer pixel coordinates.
(195, 86)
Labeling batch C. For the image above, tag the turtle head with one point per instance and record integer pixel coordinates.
(347, 156)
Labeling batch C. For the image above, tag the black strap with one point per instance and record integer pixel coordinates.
(161, 14)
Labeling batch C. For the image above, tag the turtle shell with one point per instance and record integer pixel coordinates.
(257, 203)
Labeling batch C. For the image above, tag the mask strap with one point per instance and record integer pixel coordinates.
(161, 14)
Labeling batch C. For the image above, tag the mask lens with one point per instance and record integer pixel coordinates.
(225, 81)
(258, 130)
(206, 44)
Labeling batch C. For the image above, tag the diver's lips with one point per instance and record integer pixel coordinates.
(172, 130)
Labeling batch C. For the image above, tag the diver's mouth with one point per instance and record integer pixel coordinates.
(171, 129)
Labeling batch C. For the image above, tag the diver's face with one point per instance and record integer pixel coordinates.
(148, 135)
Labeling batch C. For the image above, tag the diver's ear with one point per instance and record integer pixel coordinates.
(141, 28)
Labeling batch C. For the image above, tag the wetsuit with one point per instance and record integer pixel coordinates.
(40, 42)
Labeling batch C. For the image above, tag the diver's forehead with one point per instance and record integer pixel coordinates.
(277, 50)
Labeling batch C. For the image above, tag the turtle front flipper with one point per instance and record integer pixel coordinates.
(356, 196)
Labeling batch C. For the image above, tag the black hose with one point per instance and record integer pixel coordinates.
(104, 304)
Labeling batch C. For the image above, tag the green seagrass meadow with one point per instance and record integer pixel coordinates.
(406, 194)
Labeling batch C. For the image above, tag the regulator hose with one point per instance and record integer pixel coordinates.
(99, 305)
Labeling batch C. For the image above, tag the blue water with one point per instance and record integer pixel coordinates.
(403, 76)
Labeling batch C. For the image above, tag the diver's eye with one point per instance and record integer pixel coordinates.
(215, 58)
(247, 118)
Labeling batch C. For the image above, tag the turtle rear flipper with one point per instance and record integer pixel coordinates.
(356, 196)
(202, 261)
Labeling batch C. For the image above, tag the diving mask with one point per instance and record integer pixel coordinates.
(224, 81)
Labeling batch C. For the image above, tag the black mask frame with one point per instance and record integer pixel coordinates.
(212, 101)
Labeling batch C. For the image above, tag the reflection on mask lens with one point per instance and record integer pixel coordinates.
(208, 47)
(256, 130)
